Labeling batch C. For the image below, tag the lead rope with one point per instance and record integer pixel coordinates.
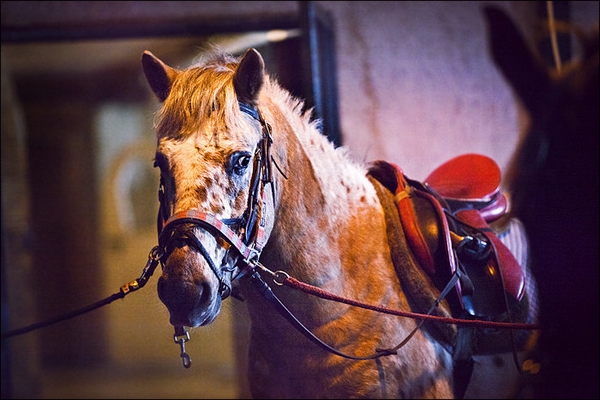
(153, 258)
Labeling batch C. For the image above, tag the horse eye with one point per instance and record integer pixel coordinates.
(240, 162)
(160, 161)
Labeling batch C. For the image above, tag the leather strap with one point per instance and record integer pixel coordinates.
(510, 270)
(267, 292)
(211, 223)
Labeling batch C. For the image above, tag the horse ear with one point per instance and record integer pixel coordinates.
(249, 77)
(520, 66)
(158, 74)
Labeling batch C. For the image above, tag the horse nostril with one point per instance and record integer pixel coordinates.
(178, 295)
(184, 299)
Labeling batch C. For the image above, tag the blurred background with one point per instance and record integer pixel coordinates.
(408, 82)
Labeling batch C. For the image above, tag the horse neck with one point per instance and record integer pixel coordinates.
(327, 215)
(328, 231)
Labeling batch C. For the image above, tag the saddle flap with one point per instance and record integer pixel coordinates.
(468, 177)
(424, 223)
(425, 226)
(420, 219)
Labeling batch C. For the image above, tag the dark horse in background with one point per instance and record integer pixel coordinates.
(554, 183)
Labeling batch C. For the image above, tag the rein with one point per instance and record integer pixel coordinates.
(282, 278)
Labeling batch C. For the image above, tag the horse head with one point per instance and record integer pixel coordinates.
(212, 152)
(561, 141)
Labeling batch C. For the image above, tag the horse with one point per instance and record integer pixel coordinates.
(249, 183)
(553, 180)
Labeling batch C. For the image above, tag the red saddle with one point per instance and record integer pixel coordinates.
(446, 222)
(472, 180)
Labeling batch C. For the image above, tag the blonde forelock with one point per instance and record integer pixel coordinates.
(198, 94)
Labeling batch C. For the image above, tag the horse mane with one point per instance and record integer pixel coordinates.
(303, 121)
(188, 106)
(213, 73)
(187, 100)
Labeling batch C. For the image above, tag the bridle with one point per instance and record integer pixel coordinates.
(246, 233)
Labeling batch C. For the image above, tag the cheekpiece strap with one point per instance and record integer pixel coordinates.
(248, 109)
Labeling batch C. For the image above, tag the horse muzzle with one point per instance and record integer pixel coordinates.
(190, 286)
